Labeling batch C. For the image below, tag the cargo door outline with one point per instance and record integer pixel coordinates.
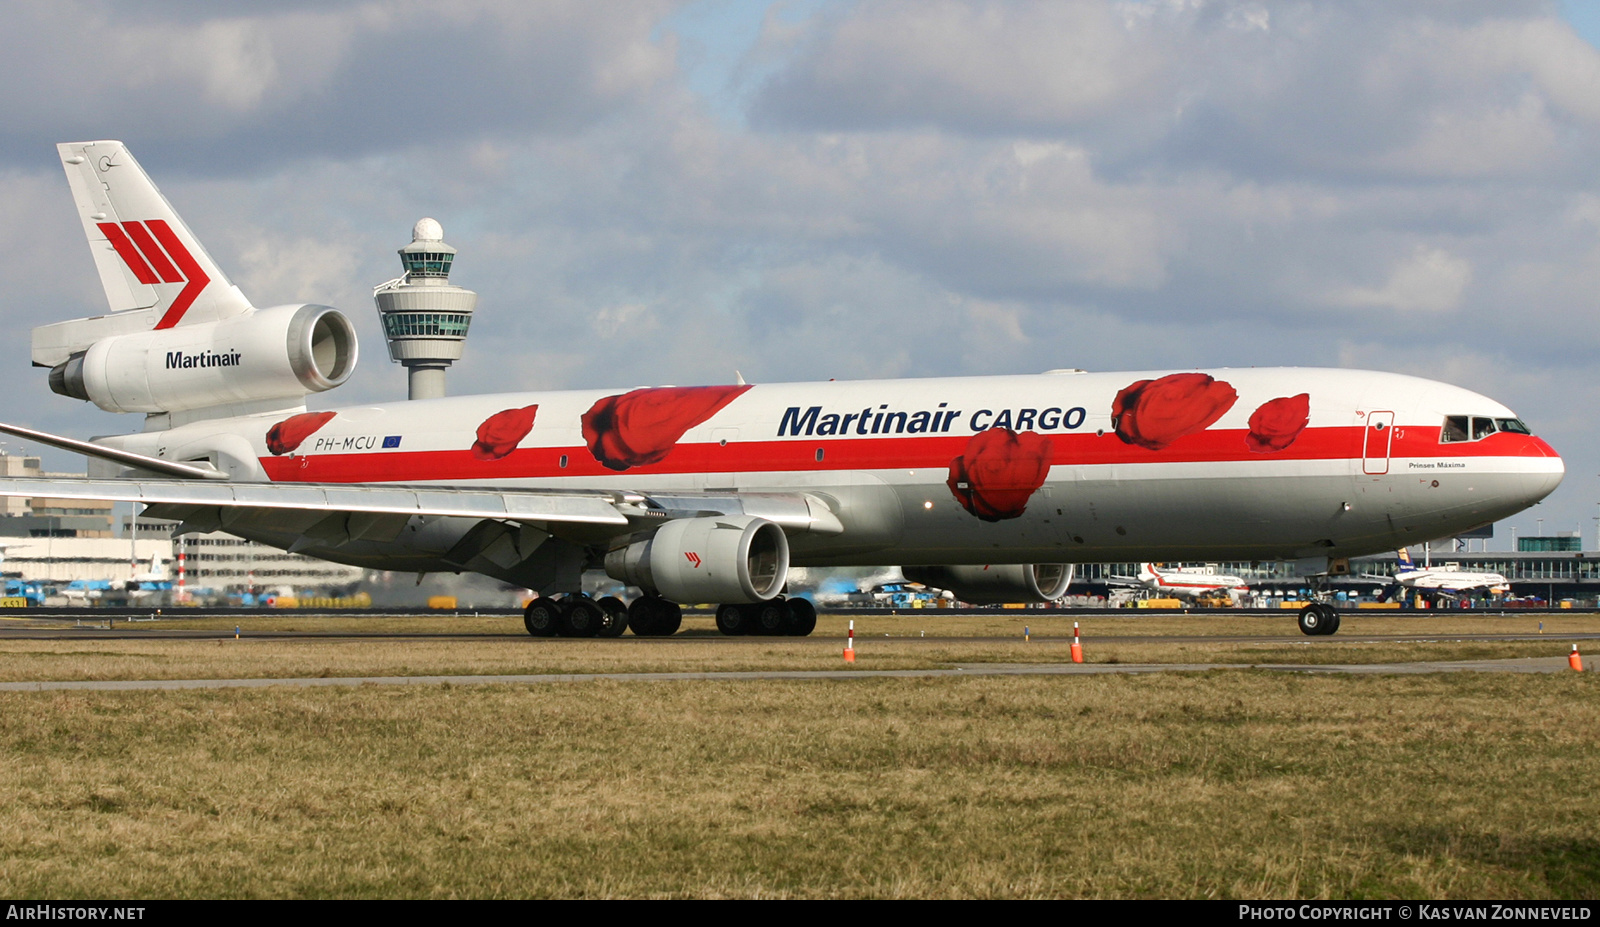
(1378, 440)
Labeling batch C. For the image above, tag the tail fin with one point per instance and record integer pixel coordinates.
(155, 273)
(1403, 559)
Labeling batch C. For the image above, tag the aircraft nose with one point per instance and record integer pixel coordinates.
(1540, 470)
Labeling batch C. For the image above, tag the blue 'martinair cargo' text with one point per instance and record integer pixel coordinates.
(883, 421)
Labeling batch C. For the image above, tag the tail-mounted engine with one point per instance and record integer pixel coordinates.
(725, 559)
(285, 352)
(997, 585)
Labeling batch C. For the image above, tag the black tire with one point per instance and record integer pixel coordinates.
(1311, 620)
(542, 617)
(769, 619)
(733, 620)
(644, 616)
(580, 617)
(802, 617)
(1319, 619)
(614, 617)
(671, 618)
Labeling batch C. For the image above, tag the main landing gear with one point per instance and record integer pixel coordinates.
(653, 616)
(1319, 619)
(777, 617)
(576, 616)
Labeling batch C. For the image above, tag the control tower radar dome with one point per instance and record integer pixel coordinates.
(425, 317)
(427, 230)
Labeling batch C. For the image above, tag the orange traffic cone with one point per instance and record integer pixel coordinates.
(850, 644)
(1575, 661)
(1077, 646)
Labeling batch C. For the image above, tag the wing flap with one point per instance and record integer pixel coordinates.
(519, 505)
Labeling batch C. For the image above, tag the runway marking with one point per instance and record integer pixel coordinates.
(1519, 665)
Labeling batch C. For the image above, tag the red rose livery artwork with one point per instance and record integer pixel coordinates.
(501, 432)
(641, 427)
(1277, 423)
(289, 433)
(1154, 413)
(998, 472)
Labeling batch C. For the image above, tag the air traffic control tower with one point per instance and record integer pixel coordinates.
(425, 316)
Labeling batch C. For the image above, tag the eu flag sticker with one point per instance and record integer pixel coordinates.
(391, 441)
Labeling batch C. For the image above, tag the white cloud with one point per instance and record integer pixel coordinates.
(1430, 280)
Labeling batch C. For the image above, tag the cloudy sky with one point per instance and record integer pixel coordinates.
(656, 192)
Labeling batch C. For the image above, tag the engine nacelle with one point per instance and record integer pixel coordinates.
(997, 585)
(284, 352)
(725, 559)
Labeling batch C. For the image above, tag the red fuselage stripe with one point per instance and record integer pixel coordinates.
(879, 453)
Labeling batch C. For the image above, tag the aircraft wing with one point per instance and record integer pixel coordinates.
(326, 513)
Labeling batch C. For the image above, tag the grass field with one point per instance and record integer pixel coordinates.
(882, 643)
(1232, 783)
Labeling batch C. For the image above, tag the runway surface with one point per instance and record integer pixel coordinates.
(1524, 665)
(100, 630)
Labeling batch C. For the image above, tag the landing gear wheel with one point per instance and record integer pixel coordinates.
(802, 617)
(542, 617)
(644, 616)
(733, 620)
(671, 618)
(653, 616)
(614, 617)
(1318, 620)
(581, 617)
(769, 618)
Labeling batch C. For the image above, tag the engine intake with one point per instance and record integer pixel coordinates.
(280, 353)
(725, 559)
(997, 584)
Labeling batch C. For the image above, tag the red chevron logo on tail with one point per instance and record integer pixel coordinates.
(155, 255)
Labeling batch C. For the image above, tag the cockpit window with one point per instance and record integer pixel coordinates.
(1459, 428)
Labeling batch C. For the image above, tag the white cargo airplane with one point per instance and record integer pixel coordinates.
(1192, 583)
(990, 487)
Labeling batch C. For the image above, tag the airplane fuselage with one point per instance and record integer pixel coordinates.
(1252, 464)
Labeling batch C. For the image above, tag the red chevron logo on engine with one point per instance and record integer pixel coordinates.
(155, 255)
(694, 558)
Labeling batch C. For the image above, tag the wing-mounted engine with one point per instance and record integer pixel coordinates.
(726, 558)
(997, 584)
(282, 353)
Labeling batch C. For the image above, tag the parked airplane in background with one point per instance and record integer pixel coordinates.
(1448, 579)
(990, 487)
(157, 573)
(1192, 583)
(84, 591)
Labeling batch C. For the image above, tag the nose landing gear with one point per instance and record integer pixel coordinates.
(1319, 619)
